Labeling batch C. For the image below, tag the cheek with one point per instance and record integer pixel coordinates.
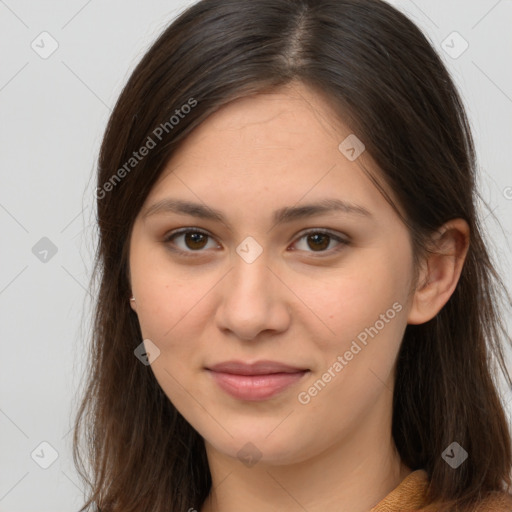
(167, 310)
(173, 311)
(163, 295)
(355, 298)
(169, 314)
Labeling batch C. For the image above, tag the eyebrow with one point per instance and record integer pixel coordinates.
(281, 216)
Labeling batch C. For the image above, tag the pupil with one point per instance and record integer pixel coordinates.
(193, 238)
(315, 237)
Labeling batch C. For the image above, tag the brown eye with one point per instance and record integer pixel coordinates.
(193, 240)
(319, 242)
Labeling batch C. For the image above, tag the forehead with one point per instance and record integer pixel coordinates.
(267, 150)
(278, 120)
(293, 104)
(283, 127)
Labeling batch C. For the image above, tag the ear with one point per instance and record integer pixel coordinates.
(132, 303)
(440, 271)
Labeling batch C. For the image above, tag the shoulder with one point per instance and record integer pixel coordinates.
(496, 502)
(411, 493)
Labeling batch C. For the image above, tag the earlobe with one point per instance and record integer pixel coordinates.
(440, 272)
(132, 303)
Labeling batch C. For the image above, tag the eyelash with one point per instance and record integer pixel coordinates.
(168, 239)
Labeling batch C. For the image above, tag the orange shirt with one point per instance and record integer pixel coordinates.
(410, 494)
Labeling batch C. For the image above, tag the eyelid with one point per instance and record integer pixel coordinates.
(341, 238)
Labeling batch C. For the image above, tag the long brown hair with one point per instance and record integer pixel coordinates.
(378, 71)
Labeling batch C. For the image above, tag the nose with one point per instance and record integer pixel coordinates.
(254, 300)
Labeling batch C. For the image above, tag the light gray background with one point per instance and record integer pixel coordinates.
(53, 113)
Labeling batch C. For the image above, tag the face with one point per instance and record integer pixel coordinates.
(323, 291)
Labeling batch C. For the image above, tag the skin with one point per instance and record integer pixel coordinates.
(303, 307)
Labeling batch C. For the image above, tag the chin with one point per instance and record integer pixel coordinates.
(261, 445)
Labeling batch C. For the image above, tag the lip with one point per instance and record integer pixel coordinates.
(255, 381)
(257, 368)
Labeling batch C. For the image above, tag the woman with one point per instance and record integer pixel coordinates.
(296, 307)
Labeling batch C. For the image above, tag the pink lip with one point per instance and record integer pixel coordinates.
(257, 381)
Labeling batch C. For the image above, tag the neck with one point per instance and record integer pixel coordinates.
(352, 475)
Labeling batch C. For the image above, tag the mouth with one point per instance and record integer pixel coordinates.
(257, 381)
